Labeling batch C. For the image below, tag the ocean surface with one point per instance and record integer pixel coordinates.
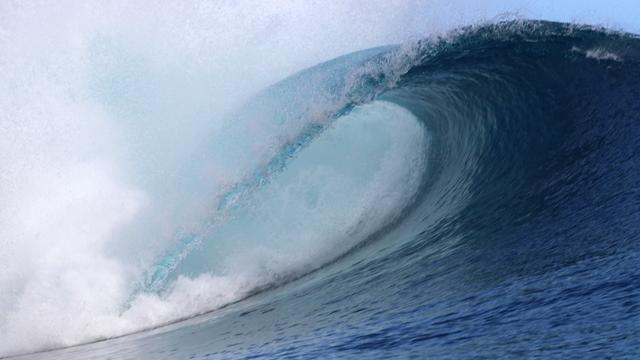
(468, 196)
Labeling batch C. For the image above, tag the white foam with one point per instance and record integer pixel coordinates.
(598, 53)
(602, 54)
(102, 107)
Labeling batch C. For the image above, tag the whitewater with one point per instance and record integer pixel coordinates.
(402, 179)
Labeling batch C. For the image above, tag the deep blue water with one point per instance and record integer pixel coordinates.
(524, 237)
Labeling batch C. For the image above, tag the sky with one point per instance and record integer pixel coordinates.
(624, 14)
(422, 17)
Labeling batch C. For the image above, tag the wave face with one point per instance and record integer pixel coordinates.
(476, 195)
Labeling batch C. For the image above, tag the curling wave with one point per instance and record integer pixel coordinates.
(479, 188)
